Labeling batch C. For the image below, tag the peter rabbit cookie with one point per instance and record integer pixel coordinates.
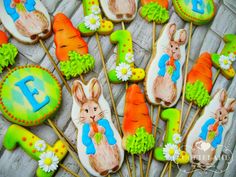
(170, 151)
(224, 60)
(71, 49)
(93, 22)
(8, 52)
(119, 10)
(125, 69)
(137, 124)
(29, 95)
(164, 77)
(155, 11)
(199, 12)
(98, 142)
(199, 81)
(48, 157)
(27, 20)
(205, 140)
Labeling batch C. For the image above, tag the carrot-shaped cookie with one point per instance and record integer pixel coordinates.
(225, 59)
(199, 81)
(8, 52)
(137, 124)
(71, 49)
(154, 10)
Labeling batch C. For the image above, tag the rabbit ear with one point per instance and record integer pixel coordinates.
(95, 89)
(78, 92)
(182, 37)
(223, 97)
(172, 30)
(231, 106)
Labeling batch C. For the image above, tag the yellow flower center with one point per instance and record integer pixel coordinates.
(226, 62)
(124, 71)
(48, 161)
(92, 21)
(40, 145)
(171, 152)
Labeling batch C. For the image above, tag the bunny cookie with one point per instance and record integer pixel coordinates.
(164, 72)
(99, 143)
(209, 131)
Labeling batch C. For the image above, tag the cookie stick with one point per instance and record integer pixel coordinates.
(155, 11)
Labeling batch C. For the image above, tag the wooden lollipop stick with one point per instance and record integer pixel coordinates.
(164, 169)
(141, 165)
(186, 70)
(55, 65)
(68, 170)
(170, 168)
(73, 155)
(134, 168)
(186, 116)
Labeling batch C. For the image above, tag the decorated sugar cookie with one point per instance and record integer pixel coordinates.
(119, 10)
(125, 69)
(171, 150)
(71, 49)
(93, 22)
(155, 10)
(8, 52)
(205, 140)
(199, 12)
(199, 81)
(27, 20)
(225, 59)
(163, 83)
(98, 142)
(137, 124)
(48, 157)
(29, 95)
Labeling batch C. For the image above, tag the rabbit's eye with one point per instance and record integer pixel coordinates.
(176, 48)
(220, 112)
(86, 110)
(171, 46)
(95, 109)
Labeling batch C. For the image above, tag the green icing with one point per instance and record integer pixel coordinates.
(154, 12)
(77, 64)
(8, 54)
(197, 93)
(98, 137)
(140, 142)
(170, 70)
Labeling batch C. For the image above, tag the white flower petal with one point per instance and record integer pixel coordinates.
(54, 161)
(40, 145)
(92, 22)
(95, 9)
(174, 154)
(123, 71)
(224, 62)
(177, 138)
(129, 57)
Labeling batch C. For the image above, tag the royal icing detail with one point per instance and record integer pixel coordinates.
(119, 10)
(71, 49)
(29, 95)
(199, 81)
(98, 142)
(8, 52)
(93, 21)
(48, 157)
(163, 83)
(225, 59)
(170, 150)
(199, 12)
(155, 10)
(125, 70)
(205, 140)
(28, 21)
(137, 124)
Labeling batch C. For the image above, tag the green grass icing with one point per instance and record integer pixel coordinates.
(77, 64)
(140, 142)
(154, 12)
(8, 54)
(197, 93)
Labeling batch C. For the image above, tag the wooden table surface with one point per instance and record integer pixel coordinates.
(204, 38)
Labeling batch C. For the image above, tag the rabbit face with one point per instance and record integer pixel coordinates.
(90, 112)
(222, 116)
(173, 48)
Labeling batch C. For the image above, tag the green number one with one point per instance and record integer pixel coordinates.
(17, 135)
(172, 117)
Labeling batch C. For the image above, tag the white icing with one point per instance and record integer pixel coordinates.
(75, 115)
(153, 69)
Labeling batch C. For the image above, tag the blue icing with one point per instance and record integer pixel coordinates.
(198, 6)
(87, 141)
(203, 135)
(162, 66)
(29, 5)
(30, 94)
